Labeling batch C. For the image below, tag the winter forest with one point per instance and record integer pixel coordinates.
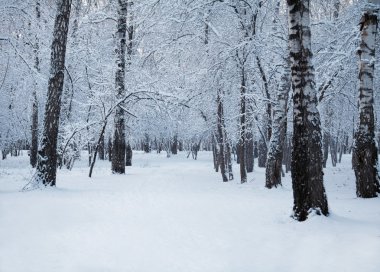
(189, 135)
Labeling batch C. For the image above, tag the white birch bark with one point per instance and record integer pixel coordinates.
(365, 157)
(307, 175)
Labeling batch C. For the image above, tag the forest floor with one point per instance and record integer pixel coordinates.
(175, 214)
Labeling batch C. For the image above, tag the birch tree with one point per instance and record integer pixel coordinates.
(34, 125)
(279, 124)
(307, 171)
(118, 147)
(276, 144)
(365, 158)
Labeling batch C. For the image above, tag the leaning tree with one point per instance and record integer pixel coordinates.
(47, 154)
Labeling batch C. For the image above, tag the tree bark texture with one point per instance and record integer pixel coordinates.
(263, 151)
(118, 146)
(307, 171)
(128, 155)
(34, 130)
(223, 150)
(98, 144)
(249, 149)
(277, 141)
(47, 155)
(109, 150)
(365, 158)
(215, 154)
(326, 142)
(242, 147)
(174, 145)
(101, 148)
(34, 126)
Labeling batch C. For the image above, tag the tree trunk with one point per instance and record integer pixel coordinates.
(287, 153)
(340, 153)
(242, 146)
(307, 174)
(34, 126)
(118, 147)
(249, 150)
(221, 137)
(128, 155)
(365, 158)
(47, 159)
(345, 150)
(101, 136)
(34, 129)
(326, 143)
(277, 141)
(174, 146)
(215, 154)
(101, 148)
(333, 151)
(263, 151)
(146, 143)
(268, 116)
(109, 150)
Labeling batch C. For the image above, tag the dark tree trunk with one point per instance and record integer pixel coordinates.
(101, 148)
(249, 151)
(109, 148)
(307, 163)
(345, 151)
(242, 144)
(174, 146)
(159, 147)
(34, 129)
(128, 155)
(364, 156)
(101, 136)
(4, 154)
(263, 151)
(326, 143)
(118, 147)
(47, 159)
(333, 151)
(146, 143)
(34, 126)
(215, 154)
(268, 116)
(89, 149)
(221, 139)
(341, 153)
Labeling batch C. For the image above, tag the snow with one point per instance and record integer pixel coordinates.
(175, 214)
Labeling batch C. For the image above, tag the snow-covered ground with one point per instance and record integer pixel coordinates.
(176, 215)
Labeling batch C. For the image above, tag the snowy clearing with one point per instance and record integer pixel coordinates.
(176, 215)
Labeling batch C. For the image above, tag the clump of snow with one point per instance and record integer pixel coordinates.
(175, 214)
